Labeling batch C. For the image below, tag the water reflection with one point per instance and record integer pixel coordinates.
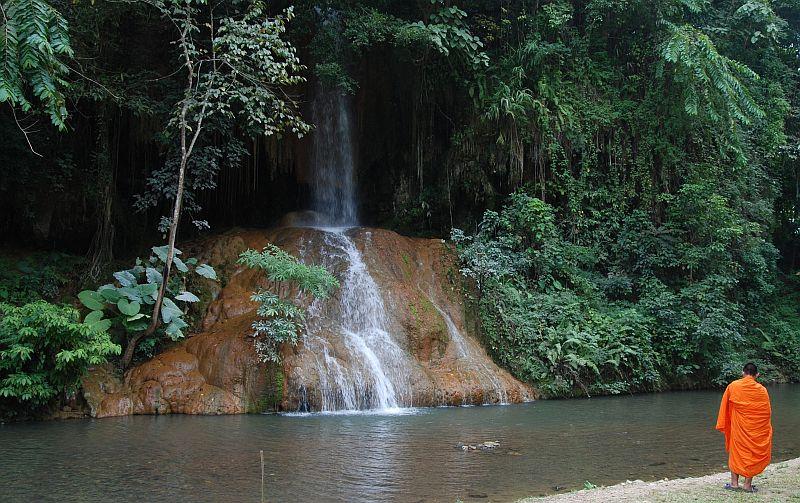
(377, 457)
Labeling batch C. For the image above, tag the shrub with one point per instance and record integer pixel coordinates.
(44, 350)
(662, 307)
(37, 276)
(280, 319)
(122, 306)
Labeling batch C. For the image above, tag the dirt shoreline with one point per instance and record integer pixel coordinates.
(779, 482)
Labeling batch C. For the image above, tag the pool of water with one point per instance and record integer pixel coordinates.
(414, 456)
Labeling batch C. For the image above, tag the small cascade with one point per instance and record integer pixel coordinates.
(356, 354)
(363, 367)
(473, 359)
(369, 370)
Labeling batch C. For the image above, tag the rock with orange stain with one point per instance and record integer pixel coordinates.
(218, 371)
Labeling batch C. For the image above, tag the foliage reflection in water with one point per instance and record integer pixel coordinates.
(377, 457)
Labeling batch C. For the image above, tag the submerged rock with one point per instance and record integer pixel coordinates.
(418, 354)
(485, 446)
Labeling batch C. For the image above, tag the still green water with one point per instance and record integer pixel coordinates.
(410, 457)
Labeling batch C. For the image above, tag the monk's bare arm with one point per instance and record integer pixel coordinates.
(723, 418)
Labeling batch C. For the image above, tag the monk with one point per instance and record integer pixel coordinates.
(744, 418)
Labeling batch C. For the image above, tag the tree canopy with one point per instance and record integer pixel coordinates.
(624, 173)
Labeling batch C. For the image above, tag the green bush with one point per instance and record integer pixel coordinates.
(280, 320)
(568, 345)
(44, 350)
(37, 276)
(647, 308)
(125, 306)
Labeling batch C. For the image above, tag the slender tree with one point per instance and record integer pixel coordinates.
(240, 74)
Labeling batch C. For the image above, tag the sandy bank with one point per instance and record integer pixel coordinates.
(779, 482)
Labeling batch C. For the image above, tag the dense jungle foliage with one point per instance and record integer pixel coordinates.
(624, 172)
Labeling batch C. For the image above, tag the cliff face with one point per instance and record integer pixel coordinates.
(418, 352)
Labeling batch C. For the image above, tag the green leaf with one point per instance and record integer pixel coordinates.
(170, 311)
(92, 300)
(161, 252)
(128, 308)
(206, 271)
(154, 276)
(179, 264)
(187, 297)
(149, 289)
(102, 325)
(136, 325)
(132, 293)
(93, 317)
(110, 294)
(125, 278)
(175, 325)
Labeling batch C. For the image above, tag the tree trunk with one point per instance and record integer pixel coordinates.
(127, 356)
(101, 250)
(187, 146)
(173, 232)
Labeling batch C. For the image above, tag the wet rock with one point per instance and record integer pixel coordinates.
(97, 384)
(482, 446)
(419, 283)
(211, 373)
(218, 372)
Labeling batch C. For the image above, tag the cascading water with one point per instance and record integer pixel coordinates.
(470, 355)
(356, 353)
(377, 343)
(333, 186)
(374, 372)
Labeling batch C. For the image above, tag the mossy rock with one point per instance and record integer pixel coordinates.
(427, 330)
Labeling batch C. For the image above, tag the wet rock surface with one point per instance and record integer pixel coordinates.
(218, 372)
(483, 446)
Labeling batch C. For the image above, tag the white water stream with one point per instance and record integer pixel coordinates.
(470, 354)
(333, 183)
(368, 370)
(357, 364)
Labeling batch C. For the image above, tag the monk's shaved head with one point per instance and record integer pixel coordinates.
(750, 369)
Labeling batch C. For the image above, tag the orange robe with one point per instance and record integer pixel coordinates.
(744, 418)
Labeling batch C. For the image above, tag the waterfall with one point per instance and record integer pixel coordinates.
(355, 355)
(368, 370)
(469, 354)
(333, 185)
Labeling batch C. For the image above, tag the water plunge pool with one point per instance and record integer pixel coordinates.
(413, 456)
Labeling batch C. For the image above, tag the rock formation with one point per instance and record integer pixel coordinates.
(218, 371)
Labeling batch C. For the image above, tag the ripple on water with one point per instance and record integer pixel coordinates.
(399, 455)
(389, 411)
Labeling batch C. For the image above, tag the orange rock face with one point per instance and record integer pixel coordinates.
(218, 371)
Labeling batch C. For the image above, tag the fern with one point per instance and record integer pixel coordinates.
(34, 41)
(712, 83)
(280, 320)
